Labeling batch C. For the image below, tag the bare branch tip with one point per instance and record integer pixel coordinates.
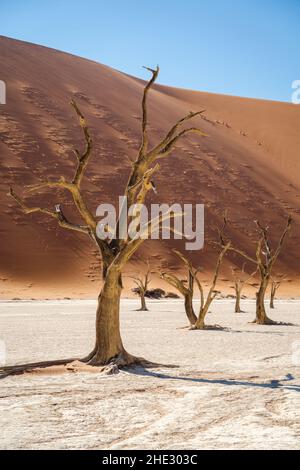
(153, 71)
(196, 113)
(74, 104)
(10, 192)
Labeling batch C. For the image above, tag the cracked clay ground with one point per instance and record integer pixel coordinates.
(233, 389)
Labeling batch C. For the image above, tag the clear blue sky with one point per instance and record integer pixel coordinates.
(241, 47)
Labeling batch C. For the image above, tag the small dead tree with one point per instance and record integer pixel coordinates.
(115, 251)
(186, 286)
(212, 293)
(275, 284)
(239, 283)
(142, 284)
(265, 258)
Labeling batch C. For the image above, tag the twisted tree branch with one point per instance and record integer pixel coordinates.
(84, 157)
(57, 214)
(144, 144)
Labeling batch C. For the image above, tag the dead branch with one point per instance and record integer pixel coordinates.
(84, 157)
(57, 214)
(175, 282)
(144, 144)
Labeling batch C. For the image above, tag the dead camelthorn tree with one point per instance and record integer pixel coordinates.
(186, 286)
(212, 293)
(265, 258)
(117, 250)
(239, 283)
(142, 284)
(275, 284)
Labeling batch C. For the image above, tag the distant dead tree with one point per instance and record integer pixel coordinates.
(186, 286)
(212, 293)
(115, 251)
(275, 284)
(142, 283)
(265, 258)
(240, 281)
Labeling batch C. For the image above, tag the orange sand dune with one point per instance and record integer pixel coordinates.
(248, 163)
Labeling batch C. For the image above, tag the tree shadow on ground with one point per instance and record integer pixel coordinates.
(68, 365)
(272, 384)
(227, 329)
(206, 328)
(215, 327)
(275, 333)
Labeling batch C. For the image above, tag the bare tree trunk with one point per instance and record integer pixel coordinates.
(109, 347)
(273, 292)
(143, 303)
(272, 300)
(189, 310)
(200, 325)
(237, 300)
(261, 316)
